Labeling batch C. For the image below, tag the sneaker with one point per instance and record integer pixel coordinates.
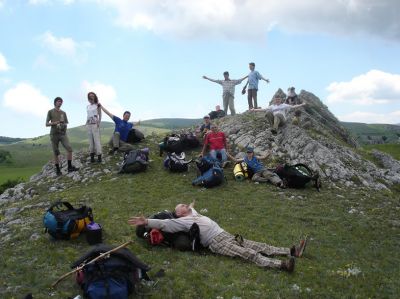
(297, 251)
(72, 169)
(288, 265)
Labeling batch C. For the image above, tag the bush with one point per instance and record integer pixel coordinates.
(5, 156)
(10, 184)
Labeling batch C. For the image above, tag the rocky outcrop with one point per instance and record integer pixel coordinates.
(319, 140)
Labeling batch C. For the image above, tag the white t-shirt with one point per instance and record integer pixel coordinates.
(92, 114)
(282, 108)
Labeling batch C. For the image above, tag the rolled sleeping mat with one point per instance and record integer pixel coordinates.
(240, 171)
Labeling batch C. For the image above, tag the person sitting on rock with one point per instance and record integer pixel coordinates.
(276, 113)
(213, 237)
(216, 141)
(205, 127)
(218, 113)
(260, 173)
(119, 139)
(292, 98)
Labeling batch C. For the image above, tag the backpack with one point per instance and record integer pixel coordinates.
(113, 277)
(183, 241)
(68, 223)
(297, 176)
(135, 161)
(176, 163)
(189, 140)
(211, 171)
(171, 144)
(134, 136)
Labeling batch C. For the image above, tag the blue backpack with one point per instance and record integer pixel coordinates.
(113, 277)
(211, 171)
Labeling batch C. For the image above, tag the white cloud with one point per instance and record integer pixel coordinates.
(107, 96)
(374, 87)
(65, 46)
(24, 98)
(41, 2)
(254, 18)
(3, 64)
(371, 117)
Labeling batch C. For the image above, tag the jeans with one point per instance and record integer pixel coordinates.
(222, 152)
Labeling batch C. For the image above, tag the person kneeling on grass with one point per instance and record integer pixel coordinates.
(219, 241)
(260, 173)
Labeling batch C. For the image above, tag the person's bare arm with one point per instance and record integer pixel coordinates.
(106, 111)
(135, 221)
(203, 150)
(300, 105)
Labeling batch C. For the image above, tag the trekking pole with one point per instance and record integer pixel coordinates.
(103, 255)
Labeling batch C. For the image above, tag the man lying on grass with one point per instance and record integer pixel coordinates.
(212, 236)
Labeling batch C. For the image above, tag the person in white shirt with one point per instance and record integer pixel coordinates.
(219, 241)
(276, 113)
(93, 126)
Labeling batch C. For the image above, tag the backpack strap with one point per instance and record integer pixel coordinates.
(60, 203)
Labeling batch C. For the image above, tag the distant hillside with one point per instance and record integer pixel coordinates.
(373, 133)
(171, 123)
(8, 140)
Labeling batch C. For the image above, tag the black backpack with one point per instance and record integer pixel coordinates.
(176, 163)
(297, 176)
(65, 224)
(134, 136)
(135, 161)
(183, 241)
(172, 144)
(189, 141)
(113, 277)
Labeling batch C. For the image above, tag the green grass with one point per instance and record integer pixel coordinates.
(366, 239)
(391, 149)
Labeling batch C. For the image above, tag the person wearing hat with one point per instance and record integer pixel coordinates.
(276, 113)
(216, 141)
(260, 173)
(252, 82)
(292, 98)
(57, 120)
(228, 91)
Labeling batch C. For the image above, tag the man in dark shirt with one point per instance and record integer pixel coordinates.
(57, 120)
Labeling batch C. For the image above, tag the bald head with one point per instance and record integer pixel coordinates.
(182, 210)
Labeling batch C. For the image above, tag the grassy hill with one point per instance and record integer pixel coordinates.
(353, 250)
(171, 123)
(368, 133)
(29, 155)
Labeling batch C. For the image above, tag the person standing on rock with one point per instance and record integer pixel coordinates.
(252, 82)
(57, 120)
(93, 126)
(292, 98)
(228, 91)
(276, 113)
(260, 173)
(119, 140)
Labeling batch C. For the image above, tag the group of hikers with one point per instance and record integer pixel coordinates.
(212, 236)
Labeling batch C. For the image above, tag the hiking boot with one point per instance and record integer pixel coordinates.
(274, 132)
(72, 169)
(91, 157)
(58, 172)
(288, 265)
(297, 251)
(99, 159)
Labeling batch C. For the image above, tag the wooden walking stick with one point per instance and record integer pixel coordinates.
(103, 255)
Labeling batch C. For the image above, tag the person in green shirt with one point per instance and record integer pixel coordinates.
(57, 120)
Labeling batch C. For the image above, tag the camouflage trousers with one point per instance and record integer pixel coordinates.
(256, 252)
(265, 176)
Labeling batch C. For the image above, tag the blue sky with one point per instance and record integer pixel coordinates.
(149, 56)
